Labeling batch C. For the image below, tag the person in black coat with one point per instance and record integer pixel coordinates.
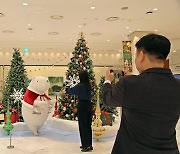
(84, 110)
(150, 101)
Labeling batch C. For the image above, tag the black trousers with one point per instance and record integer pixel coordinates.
(84, 121)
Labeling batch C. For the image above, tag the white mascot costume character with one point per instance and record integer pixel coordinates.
(36, 105)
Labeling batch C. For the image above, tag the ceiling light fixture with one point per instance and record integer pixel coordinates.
(130, 31)
(138, 29)
(79, 26)
(108, 40)
(174, 51)
(124, 8)
(8, 31)
(149, 12)
(95, 34)
(53, 33)
(127, 27)
(155, 9)
(30, 28)
(93, 7)
(155, 30)
(57, 17)
(25, 4)
(2, 14)
(112, 19)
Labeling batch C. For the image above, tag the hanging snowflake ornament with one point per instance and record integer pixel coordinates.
(72, 81)
(17, 95)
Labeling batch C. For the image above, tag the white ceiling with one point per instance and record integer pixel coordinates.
(79, 13)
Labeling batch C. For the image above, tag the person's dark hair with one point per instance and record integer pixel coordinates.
(84, 78)
(154, 45)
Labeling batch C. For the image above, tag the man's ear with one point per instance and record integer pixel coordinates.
(141, 56)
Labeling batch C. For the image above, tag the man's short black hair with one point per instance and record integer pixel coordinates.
(155, 45)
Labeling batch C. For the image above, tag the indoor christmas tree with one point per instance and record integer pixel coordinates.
(107, 113)
(79, 62)
(16, 84)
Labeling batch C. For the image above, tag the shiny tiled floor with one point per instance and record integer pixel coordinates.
(50, 141)
(54, 141)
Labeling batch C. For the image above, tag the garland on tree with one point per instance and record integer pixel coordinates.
(16, 81)
(107, 113)
(79, 62)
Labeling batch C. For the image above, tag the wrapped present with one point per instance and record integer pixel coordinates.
(13, 117)
(107, 118)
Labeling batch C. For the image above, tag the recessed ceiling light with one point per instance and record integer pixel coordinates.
(79, 26)
(95, 34)
(29, 24)
(138, 29)
(127, 27)
(31, 38)
(155, 9)
(2, 14)
(112, 19)
(174, 51)
(8, 31)
(155, 30)
(30, 28)
(93, 7)
(130, 31)
(53, 33)
(149, 12)
(57, 17)
(25, 4)
(124, 8)
(108, 40)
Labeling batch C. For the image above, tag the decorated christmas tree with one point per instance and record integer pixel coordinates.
(16, 84)
(79, 62)
(107, 113)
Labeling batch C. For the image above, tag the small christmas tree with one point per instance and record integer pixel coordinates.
(106, 111)
(79, 62)
(16, 83)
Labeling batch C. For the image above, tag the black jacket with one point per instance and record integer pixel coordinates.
(81, 91)
(150, 110)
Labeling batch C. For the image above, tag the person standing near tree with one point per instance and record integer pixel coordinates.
(150, 101)
(84, 110)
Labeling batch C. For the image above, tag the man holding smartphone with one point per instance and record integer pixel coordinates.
(150, 101)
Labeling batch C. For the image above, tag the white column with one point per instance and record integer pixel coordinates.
(135, 37)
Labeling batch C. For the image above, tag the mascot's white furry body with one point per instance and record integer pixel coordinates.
(36, 105)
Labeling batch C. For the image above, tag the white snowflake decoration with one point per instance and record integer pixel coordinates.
(17, 95)
(72, 81)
